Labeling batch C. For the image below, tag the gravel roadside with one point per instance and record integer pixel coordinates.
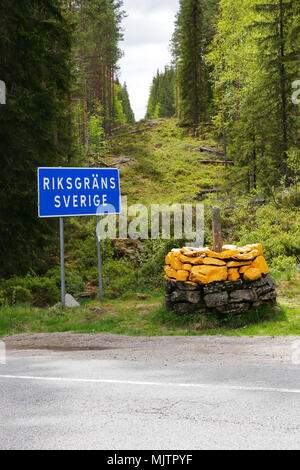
(227, 349)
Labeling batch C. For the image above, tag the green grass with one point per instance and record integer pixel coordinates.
(144, 315)
(167, 168)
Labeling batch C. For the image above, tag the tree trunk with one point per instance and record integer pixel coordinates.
(283, 95)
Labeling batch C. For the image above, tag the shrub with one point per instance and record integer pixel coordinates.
(40, 291)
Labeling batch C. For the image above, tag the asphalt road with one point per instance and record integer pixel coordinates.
(52, 400)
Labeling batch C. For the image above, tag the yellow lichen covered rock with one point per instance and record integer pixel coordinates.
(214, 262)
(182, 276)
(187, 267)
(230, 247)
(252, 274)
(202, 251)
(189, 251)
(246, 256)
(238, 264)
(204, 266)
(258, 247)
(170, 272)
(191, 259)
(233, 274)
(244, 269)
(227, 254)
(168, 258)
(208, 274)
(261, 264)
(175, 260)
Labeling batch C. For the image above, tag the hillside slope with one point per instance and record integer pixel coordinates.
(165, 163)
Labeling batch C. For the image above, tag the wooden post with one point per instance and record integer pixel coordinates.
(217, 229)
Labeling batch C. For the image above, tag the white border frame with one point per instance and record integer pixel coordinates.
(75, 168)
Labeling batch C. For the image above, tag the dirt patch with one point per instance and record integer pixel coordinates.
(57, 348)
(221, 349)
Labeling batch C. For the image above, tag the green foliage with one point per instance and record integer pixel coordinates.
(97, 142)
(34, 125)
(193, 33)
(161, 103)
(123, 96)
(39, 291)
(96, 52)
(255, 60)
(276, 228)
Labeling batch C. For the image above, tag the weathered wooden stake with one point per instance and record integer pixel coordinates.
(217, 229)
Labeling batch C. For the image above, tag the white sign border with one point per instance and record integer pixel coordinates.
(75, 168)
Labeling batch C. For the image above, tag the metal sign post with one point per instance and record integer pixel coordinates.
(76, 192)
(99, 259)
(2, 92)
(62, 262)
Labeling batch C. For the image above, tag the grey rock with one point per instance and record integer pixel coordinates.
(245, 295)
(71, 302)
(233, 309)
(259, 283)
(270, 281)
(168, 302)
(256, 305)
(271, 296)
(169, 287)
(193, 297)
(214, 288)
(233, 285)
(263, 290)
(99, 310)
(215, 300)
(184, 308)
(189, 287)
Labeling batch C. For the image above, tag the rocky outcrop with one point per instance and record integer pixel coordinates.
(231, 282)
(221, 297)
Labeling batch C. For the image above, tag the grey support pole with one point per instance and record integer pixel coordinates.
(62, 262)
(217, 229)
(99, 259)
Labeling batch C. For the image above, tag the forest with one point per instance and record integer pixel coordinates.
(232, 88)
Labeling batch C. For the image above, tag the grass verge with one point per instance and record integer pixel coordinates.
(143, 315)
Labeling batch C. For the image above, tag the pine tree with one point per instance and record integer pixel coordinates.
(34, 125)
(255, 60)
(124, 97)
(193, 33)
(96, 54)
(161, 103)
(272, 33)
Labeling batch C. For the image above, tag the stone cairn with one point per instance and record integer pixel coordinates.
(199, 280)
(223, 279)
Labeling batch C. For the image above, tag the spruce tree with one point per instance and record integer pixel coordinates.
(161, 102)
(272, 25)
(124, 97)
(193, 33)
(34, 124)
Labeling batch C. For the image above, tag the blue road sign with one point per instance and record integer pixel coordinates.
(74, 192)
